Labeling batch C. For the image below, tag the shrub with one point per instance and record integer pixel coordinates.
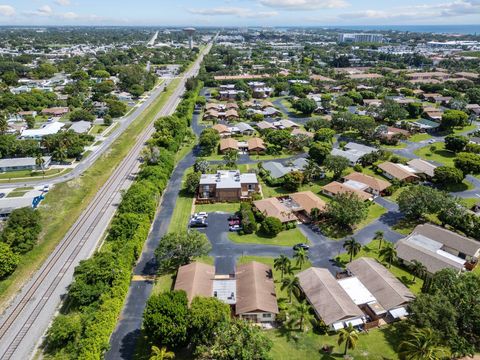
(271, 226)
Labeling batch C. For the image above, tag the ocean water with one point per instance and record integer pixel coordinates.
(437, 29)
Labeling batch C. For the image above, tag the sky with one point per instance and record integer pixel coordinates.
(239, 12)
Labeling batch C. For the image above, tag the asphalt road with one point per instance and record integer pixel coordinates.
(25, 321)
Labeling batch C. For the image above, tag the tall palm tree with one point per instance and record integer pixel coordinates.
(40, 162)
(422, 344)
(60, 154)
(290, 284)
(353, 247)
(161, 354)
(417, 269)
(349, 336)
(301, 314)
(282, 264)
(379, 236)
(301, 257)
(388, 253)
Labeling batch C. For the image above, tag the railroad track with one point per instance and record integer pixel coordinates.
(80, 231)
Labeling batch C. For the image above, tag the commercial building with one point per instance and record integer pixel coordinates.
(360, 37)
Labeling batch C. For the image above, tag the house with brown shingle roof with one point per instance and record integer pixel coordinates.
(272, 207)
(223, 130)
(228, 144)
(256, 297)
(398, 171)
(334, 188)
(196, 279)
(256, 145)
(374, 185)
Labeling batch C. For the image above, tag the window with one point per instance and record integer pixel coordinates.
(267, 316)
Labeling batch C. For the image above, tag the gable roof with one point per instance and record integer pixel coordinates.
(255, 143)
(228, 143)
(327, 297)
(196, 279)
(307, 200)
(385, 287)
(274, 208)
(221, 128)
(396, 171)
(255, 289)
(372, 182)
(338, 188)
(423, 166)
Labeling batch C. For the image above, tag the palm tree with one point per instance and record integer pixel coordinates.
(312, 171)
(388, 253)
(422, 344)
(60, 154)
(301, 257)
(290, 284)
(301, 314)
(349, 336)
(3, 124)
(352, 246)
(417, 269)
(282, 264)
(161, 354)
(40, 162)
(379, 236)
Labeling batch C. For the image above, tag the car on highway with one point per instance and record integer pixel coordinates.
(301, 246)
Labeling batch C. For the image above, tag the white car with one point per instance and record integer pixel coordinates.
(431, 141)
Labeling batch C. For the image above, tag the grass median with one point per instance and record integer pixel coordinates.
(66, 201)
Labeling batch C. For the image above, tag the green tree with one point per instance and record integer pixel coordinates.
(40, 162)
(165, 318)
(282, 264)
(208, 141)
(300, 256)
(388, 253)
(161, 353)
(467, 162)
(207, 316)
(346, 210)
(353, 247)
(177, 249)
(293, 180)
(453, 118)
(60, 154)
(81, 114)
(336, 164)
(448, 175)
(239, 340)
(271, 226)
(230, 158)
(291, 284)
(64, 332)
(344, 102)
(417, 269)
(421, 344)
(305, 106)
(301, 314)
(324, 135)
(192, 181)
(312, 171)
(8, 260)
(379, 236)
(417, 201)
(319, 151)
(349, 336)
(455, 143)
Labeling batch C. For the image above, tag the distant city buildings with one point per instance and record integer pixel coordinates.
(360, 37)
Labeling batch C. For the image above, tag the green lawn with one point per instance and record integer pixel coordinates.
(371, 250)
(374, 212)
(470, 202)
(220, 207)
(295, 345)
(419, 137)
(12, 175)
(285, 238)
(440, 155)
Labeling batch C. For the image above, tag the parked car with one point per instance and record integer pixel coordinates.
(301, 246)
(235, 228)
(2, 195)
(431, 141)
(198, 223)
(234, 222)
(234, 217)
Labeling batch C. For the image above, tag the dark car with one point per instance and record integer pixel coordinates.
(301, 246)
(2, 195)
(198, 223)
(234, 218)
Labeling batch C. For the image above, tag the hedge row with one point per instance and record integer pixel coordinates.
(96, 296)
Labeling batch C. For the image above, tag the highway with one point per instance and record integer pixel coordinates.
(24, 323)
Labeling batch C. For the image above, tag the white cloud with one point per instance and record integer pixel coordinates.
(62, 2)
(232, 11)
(422, 11)
(69, 15)
(303, 5)
(44, 10)
(7, 10)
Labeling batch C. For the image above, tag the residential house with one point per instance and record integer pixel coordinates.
(285, 124)
(44, 130)
(370, 184)
(80, 127)
(273, 207)
(353, 152)
(228, 144)
(227, 185)
(55, 111)
(25, 163)
(196, 279)
(263, 125)
(256, 146)
(438, 248)
(334, 188)
(223, 130)
(398, 171)
(422, 167)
